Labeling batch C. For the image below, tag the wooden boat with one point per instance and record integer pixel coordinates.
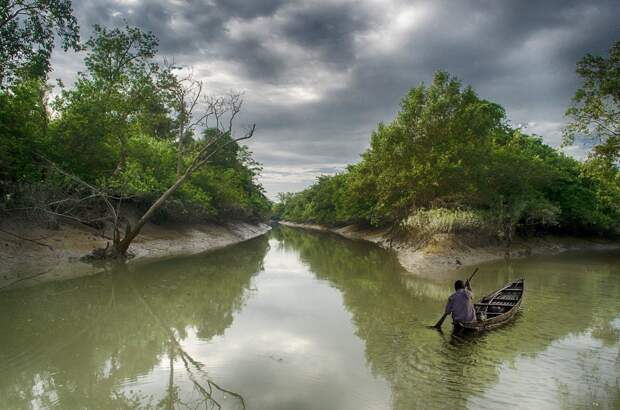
(497, 308)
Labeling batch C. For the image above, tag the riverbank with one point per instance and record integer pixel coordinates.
(32, 254)
(449, 252)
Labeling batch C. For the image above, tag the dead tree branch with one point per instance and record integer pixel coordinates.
(94, 189)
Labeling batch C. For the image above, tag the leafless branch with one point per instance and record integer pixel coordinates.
(17, 13)
(603, 126)
(94, 189)
(235, 102)
(187, 359)
(61, 201)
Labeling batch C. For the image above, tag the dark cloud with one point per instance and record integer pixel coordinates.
(249, 9)
(319, 75)
(258, 61)
(328, 29)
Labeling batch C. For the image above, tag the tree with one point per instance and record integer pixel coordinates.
(204, 153)
(120, 67)
(440, 138)
(27, 32)
(595, 112)
(123, 136)
(116, 99)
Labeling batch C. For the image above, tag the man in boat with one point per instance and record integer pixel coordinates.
(460, 304)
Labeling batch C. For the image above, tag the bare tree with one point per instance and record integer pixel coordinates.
(220, 114)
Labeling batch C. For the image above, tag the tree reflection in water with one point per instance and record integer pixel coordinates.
(567, 295)
(194, 369)
(85, 341)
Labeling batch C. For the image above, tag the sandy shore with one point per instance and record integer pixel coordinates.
(446, 252)
(31, 254)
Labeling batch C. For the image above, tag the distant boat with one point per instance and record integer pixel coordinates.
(497, 308)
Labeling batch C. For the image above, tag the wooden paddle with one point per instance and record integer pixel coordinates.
(471, 277)
(445, 315)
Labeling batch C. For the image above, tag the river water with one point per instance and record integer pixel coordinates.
(305, 320)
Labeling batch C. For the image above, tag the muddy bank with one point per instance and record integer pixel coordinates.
(446, 252)
(31, 254)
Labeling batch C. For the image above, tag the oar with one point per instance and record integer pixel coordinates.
(445, 315)
(471, 277)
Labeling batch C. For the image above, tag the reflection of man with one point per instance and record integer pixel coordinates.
(461, 304)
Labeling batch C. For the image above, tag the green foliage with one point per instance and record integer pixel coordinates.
(449, 162)
(602, 179)
(230, 183)
(28, 29)
(115, 129)
(148, 167)
(322, 203)
(595, 112)
(23, 121)
(114, 100)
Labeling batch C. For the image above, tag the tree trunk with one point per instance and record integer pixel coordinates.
(179, 154)
(121, 247)
(121, 162)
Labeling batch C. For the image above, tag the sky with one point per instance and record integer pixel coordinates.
(318, 76)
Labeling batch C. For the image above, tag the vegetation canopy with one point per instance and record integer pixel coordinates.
(450, 162)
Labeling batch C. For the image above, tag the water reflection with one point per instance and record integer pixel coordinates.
(566, 296)
(308, 321)
(75, 343)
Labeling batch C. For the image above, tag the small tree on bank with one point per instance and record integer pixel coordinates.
(206, 152)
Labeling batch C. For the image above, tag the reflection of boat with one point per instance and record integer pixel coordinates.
(497, 308)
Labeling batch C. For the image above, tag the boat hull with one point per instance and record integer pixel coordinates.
(497, 308)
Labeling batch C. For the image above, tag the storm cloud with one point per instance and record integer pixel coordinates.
(319, 75)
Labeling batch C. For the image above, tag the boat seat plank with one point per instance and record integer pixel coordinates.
(497, 303)
(506, 299)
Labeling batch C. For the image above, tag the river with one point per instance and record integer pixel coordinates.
(306, 320)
